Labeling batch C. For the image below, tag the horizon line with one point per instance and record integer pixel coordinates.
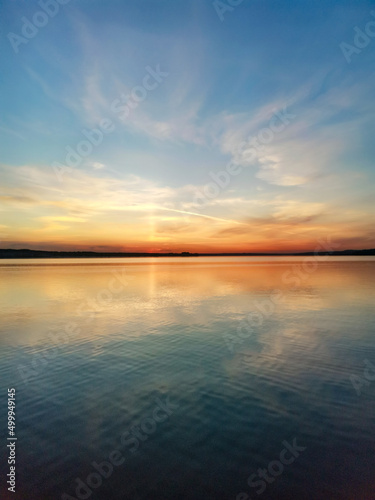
(184, 253)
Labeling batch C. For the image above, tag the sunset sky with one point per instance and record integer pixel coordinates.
(172, 93)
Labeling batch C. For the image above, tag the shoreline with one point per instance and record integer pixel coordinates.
(45, 254)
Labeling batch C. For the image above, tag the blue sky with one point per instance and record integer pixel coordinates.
(224, 80)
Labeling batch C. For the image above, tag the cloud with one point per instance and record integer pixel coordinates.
(326, 124)
(15, 133)
(83, 195)
(18, 200)
(97, 165)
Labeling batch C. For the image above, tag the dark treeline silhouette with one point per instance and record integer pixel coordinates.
(10, 253)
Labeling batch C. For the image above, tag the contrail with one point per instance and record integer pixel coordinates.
(199, 215)
(156, 207)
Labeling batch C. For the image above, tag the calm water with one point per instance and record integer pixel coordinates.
(197, 371)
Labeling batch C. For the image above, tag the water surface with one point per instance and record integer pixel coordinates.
(248, 352)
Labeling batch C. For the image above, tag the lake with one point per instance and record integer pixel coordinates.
(190, 378)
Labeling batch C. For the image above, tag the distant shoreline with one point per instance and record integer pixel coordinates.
(45, 254)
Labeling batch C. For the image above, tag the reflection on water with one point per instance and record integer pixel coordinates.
(91, 345)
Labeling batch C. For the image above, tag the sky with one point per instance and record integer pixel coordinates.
(187, 125)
